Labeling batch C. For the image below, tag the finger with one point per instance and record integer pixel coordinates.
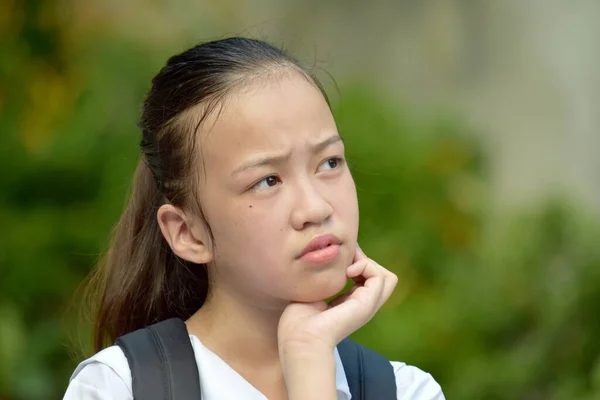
(367, 272)
(342, 297)
(370, 285)
(364, 268)
(358, 254)
(352, 310)
(390, 281)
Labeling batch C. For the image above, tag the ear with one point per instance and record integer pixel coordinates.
(188, 241)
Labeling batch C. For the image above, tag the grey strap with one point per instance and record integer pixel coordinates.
(162, 362)
(370, 375)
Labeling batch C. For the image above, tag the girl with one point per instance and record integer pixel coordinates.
(243, 218)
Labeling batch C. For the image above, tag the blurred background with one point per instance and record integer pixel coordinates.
(472, 128)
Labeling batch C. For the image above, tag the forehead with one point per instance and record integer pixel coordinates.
(270, 115)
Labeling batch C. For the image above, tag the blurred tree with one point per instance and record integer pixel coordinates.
(493, 309)
(67, 146)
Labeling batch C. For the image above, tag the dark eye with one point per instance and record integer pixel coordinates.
(269, 181)
(331, 163)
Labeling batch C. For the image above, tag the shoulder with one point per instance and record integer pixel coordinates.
(415, 384)
(106, 375)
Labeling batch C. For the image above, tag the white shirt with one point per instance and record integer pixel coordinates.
(106, 376)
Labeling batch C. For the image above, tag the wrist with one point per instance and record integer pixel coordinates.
(309, 375)
(305, 348)
(301, 355)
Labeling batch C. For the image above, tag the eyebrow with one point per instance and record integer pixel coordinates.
(275, 159)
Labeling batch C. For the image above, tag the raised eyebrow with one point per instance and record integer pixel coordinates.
(275, 159)
(326, 143)
(261, 162)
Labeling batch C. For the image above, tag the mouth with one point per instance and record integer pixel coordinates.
(321, 249)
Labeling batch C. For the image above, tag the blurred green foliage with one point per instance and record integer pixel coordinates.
(495, 307)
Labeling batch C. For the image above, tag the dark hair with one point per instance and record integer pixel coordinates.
(140, 280)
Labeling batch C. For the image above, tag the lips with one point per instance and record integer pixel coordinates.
(320, 243)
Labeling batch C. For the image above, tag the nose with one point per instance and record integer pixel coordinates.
(311, 207)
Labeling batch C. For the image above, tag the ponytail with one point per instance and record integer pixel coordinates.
(140, 280)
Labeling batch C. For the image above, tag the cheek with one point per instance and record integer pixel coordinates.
(249, 234)
(345, 203)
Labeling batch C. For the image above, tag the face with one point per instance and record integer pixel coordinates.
(275, 178)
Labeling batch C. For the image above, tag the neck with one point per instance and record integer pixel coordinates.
(237, 330)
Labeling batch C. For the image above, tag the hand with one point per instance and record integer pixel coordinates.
(319, 327)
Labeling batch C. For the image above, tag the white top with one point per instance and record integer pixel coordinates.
(106, 376)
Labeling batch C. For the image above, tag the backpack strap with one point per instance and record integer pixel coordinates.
(370, 375)
(162, 363)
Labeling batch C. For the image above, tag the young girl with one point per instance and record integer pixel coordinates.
(243, 218)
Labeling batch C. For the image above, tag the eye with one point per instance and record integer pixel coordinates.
(332, 163)
(267, 182)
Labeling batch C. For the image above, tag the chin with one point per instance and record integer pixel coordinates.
(321, 288)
